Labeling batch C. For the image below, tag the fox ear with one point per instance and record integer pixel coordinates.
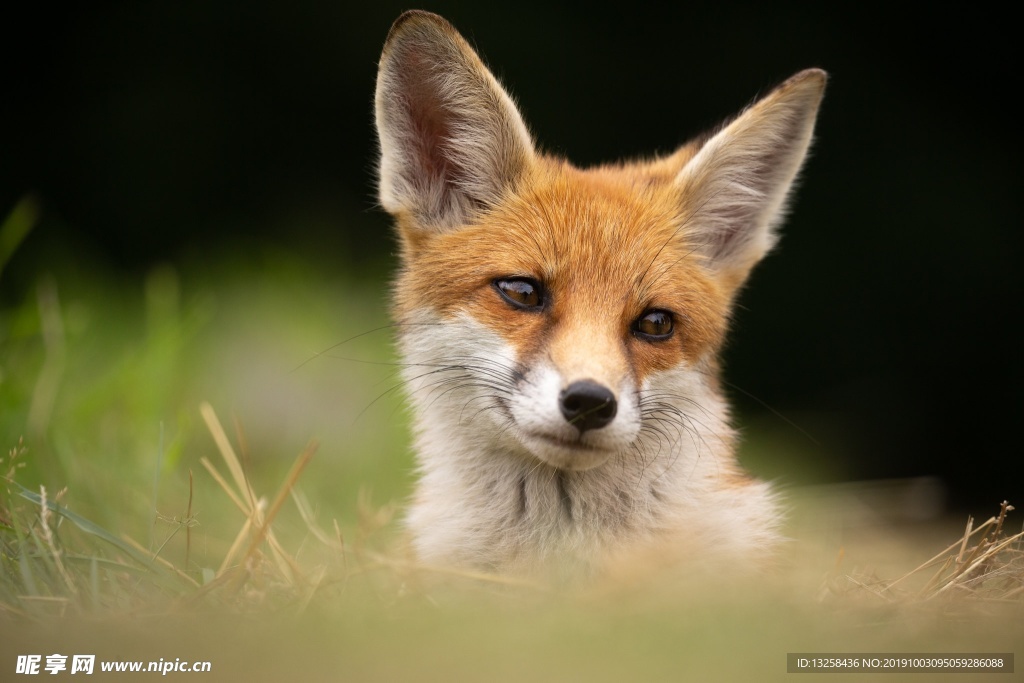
(451, 139)
(736, 185)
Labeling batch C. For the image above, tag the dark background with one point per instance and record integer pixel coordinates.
(883, 325)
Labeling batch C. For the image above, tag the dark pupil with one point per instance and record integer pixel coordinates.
(656, 324)
(519, 291)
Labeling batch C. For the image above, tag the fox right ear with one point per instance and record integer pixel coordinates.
(451, 139)
(737, 184)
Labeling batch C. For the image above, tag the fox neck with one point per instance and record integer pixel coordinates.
(489, 506)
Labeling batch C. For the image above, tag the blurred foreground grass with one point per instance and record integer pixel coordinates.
(119, 541)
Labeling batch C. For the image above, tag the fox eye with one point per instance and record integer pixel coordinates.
(521, 292)
(654, 325)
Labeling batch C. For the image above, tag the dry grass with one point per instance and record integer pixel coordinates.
(49, 575)
(984, 567)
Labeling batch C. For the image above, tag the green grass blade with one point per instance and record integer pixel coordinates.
(90, 528)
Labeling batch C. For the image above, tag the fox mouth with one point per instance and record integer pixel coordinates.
(572, 444)
(566, 454)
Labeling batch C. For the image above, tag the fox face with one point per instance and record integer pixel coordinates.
(586, 300)
(559, 326)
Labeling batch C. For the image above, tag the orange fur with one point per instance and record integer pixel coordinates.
(608, 252)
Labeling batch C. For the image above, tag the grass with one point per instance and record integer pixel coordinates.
(984, 566)
(197, 467)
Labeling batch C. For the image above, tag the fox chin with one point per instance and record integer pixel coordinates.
(560, 327)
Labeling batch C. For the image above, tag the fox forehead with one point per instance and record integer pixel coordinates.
(607, 244)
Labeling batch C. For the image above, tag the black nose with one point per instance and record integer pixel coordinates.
(587, 405)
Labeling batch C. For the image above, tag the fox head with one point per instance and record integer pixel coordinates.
(561, 316)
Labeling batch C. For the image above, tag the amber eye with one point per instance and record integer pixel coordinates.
(521, 292)
(654, 325)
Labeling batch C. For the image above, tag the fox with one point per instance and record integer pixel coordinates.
(559, 328)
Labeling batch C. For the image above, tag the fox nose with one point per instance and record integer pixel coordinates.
(587, 405)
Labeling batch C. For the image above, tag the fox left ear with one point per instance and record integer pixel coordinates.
(451, 140)
(736, 185)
